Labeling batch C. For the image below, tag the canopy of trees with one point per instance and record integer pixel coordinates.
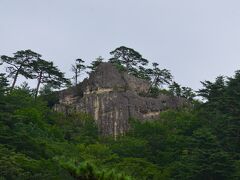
(128, 57)
(197, 142)
(30, 65)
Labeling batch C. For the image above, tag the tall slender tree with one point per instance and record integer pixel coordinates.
(20, 64)
(160, 76)
(46, 73)
(175, 89)
(77, 69)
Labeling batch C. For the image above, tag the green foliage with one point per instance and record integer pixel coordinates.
(30, 65)
(118, 65)
(47, 94)
(223, 109)
(139, 168)
(46, 73)
(176, 90)
(130, 147)
(79, 127)
(127, 57)
(141, 72)
(20, 64)
(95, 64)
(160, 76)
(18, 166)
(3, 84)
(87, 171)
(154, 92)
(200, 142)
(131, 61)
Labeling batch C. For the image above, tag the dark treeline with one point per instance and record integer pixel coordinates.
(197, 142)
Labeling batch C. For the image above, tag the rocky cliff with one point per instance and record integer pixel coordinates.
(112, 97)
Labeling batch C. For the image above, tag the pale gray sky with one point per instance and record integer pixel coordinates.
(196, 39)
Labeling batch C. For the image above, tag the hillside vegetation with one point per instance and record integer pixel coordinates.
(198, 142)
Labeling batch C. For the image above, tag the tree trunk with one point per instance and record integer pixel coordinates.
(15, 79)
(76, 76)
(38, 85)
(128, 67)
(151, 85)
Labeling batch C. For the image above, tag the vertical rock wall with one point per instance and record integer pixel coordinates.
(111, 97)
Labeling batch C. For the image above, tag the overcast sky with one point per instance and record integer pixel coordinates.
(196, 39)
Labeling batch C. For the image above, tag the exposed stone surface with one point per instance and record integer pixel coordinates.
(112, 97)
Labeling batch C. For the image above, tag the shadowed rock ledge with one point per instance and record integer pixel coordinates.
(112, 97)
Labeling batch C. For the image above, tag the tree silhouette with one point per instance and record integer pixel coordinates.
(128, 57)
(20, 64)
(185, 92)
(175, 89)
(77, 68)
(3, 83)
(96, 63)
(160, 76)
(46, 73)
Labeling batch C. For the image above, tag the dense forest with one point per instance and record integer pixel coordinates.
(201, 141)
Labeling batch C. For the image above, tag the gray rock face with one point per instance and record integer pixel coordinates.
(112, 97)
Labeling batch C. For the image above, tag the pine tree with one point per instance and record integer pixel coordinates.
(128, 57)
(160, 76)
(46, 73)
(19, 64)
(96, 63)
(77, 69)
(3, 84)
(185, 92)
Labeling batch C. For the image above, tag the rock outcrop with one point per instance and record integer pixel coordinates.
(112, 97)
